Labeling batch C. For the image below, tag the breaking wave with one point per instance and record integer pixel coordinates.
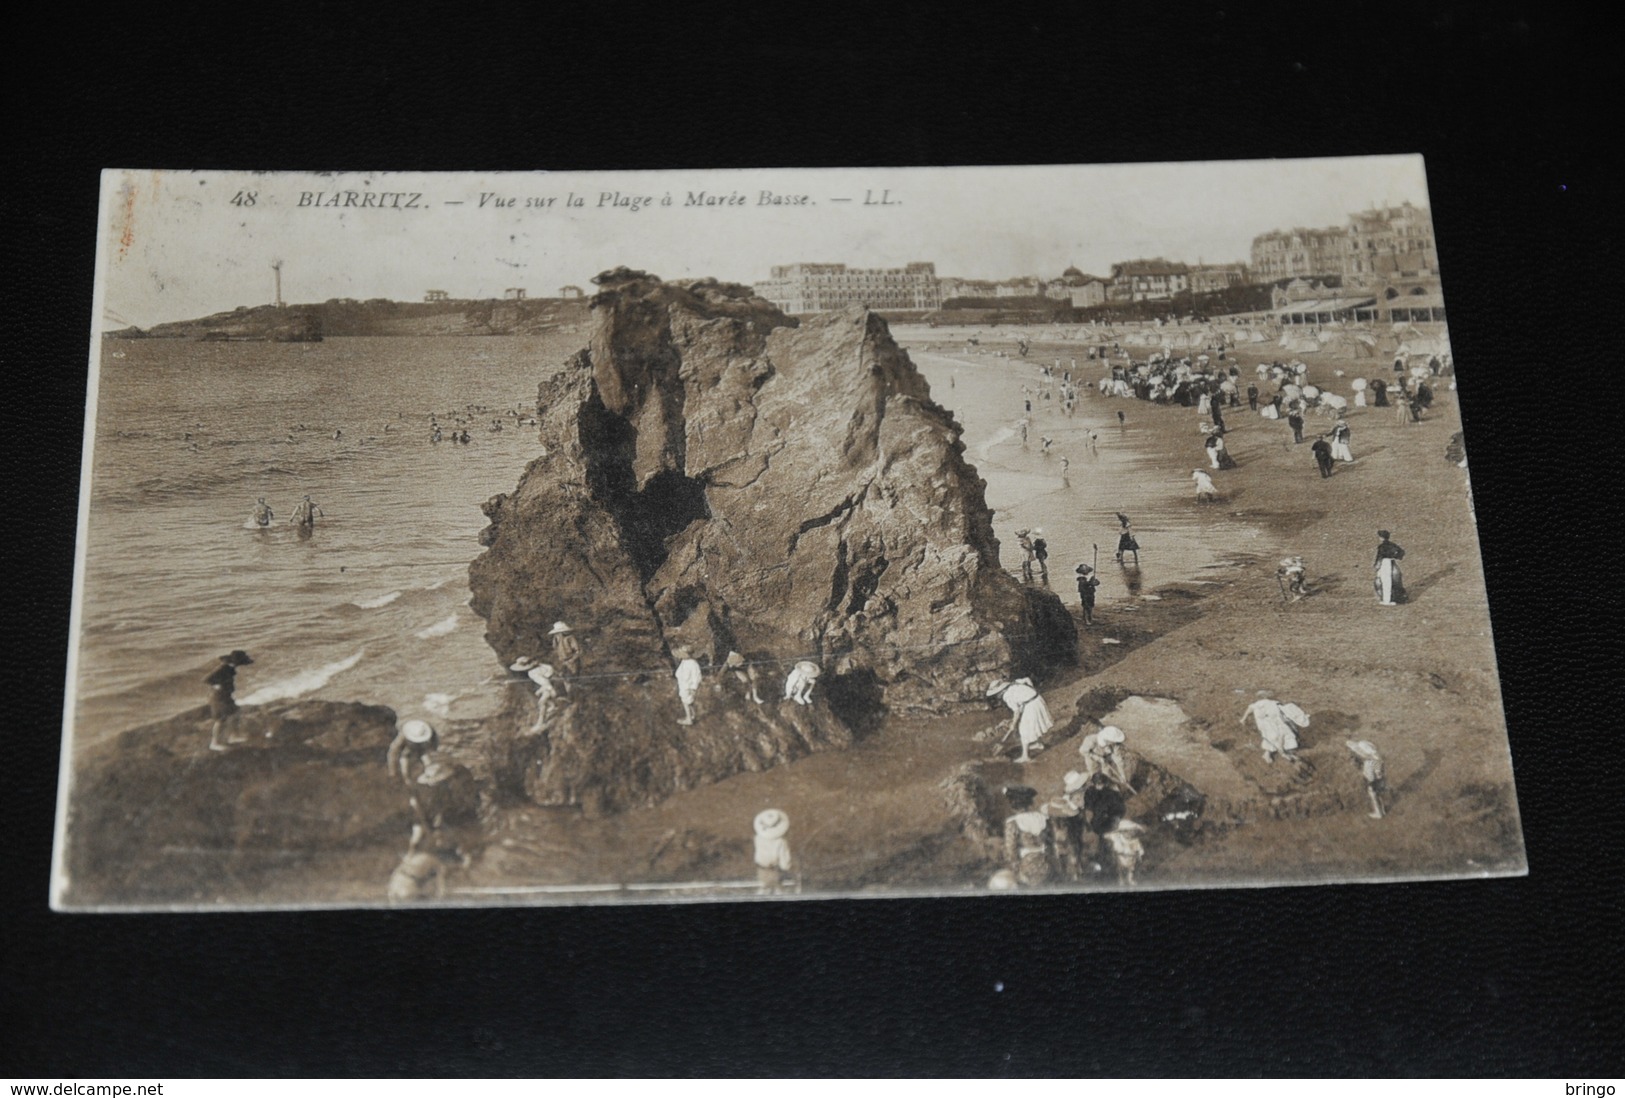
(438, 629)
(375, 603)
(303, 682)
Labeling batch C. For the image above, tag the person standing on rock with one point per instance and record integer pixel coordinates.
(1389, 582)
(1087, 583)
(541, 674)
(1102, 754)
(688, 681)
(744, 674)
(1028, 554)
(1126, 849)
(1029, 847)
(1028, 713)
(1368, 760)
(566, 650)
(412, 745)
(773, 858)
(222, 683)
(1066, 825)
(798, 685)
(1278, 724)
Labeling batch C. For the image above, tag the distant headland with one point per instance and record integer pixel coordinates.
(374, 317)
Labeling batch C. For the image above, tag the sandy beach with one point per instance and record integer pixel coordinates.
(1204, 626)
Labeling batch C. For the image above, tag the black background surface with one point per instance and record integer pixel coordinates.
(1510, 105)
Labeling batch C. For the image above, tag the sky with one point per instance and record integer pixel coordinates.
(178, 245)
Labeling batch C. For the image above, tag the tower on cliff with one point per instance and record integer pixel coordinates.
(276, 268)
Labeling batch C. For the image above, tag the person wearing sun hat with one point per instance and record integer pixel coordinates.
(1029, 845)
(546, 689)
(1127, 849)
(222, 684)
(773, 858)
(1028, 712)
(566, 649)
(413, 743)
(798, 685)
(1102, 753)
(1066, 820)
(743, 675)
(688, 681)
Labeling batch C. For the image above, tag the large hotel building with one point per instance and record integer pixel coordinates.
(823, 287)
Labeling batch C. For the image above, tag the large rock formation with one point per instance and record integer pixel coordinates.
(718, 476)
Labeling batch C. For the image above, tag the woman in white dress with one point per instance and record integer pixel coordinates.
(1277, 725)
(1028, 713)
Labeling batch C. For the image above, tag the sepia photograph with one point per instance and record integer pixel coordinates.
(460, 539)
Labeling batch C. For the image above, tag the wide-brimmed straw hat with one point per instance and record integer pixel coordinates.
(997, 686)
(523, 663)
(1073, 781)
(809, 668)
(1126, 824)
(734, 660)
(772, 824)
(1083, 569)
(1111, 734)
(415, 731)
(1365, 749)
(681, 652)
(559, 627)
(237, 658)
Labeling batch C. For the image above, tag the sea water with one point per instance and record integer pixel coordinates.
(372, 606)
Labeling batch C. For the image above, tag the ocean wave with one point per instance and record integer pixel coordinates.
(303, 682)
(375, 603)
(438, 629)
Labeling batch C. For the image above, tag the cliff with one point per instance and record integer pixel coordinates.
(717, 476)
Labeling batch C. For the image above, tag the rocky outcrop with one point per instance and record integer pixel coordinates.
(719, 476)
(157, 818)
(616, 746)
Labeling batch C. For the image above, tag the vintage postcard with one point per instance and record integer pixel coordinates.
(622, 537)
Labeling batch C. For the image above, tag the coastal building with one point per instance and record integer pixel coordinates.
(570, 293)
(436, 295)
(952, 288)
(1208, 278)
(1147, 280)
(1392, 246)
(514, 293)
(1089, 294)
(1299, 253)
(822, 287)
